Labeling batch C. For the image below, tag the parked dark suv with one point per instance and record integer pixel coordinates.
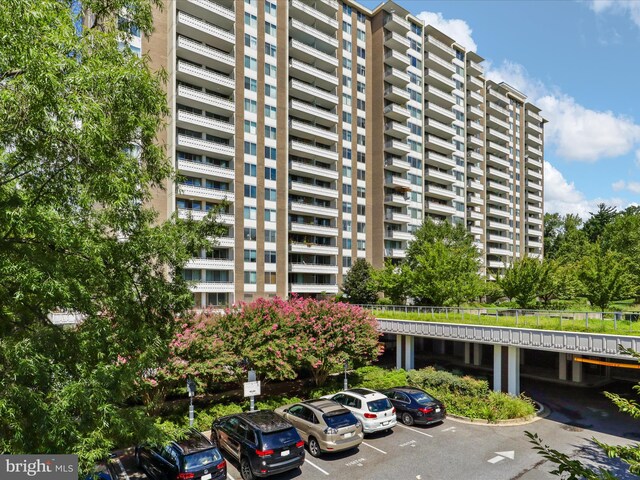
(263, 443)
(194, 458)
(416, 406)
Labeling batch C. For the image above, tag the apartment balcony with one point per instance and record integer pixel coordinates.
(200, 53)
(434, 45)
(533, 186)
(433, 61)
(498, 110)
(475, 230)
(396, 129)
(224, 17)
(313, 170)
(474, 83)
(396, 147)
(439, 145)
(496, 122)
(474, 186)
(205, 32)
(197, 145)
(218, 287)
(306, 267)
(474, 214)
(215, 127)
(533, 209)
(310, 74)
(396, 217)
(396, 112)
(493, 198)
(532, 151)
(496, 173)
(311, 151)
(474, 112)
(395, 59)
(312, 229)
(534, 244)
(432, 77)
(474, 98)
(399, 235)
(496, 212)
(473, 171)
(312, 55)
(439, 209)
(439, 97)
(497, 225)
(396, 200)
(204, 101)
(205, 193)
(532, 127)
(533, 162)
(435, 191)
(225, 85)
(330, 288)
(537, 140)
(498, 161)
(309, 93)
(474, 142)
(493, 185)
(497, 95)
(312, 113)
(312, 209)
(313, 249)
(397, 182)
(534, 174)
(396, 41)
(313, 17)
(441, 129)
(197, 215)
(396, 23)
(494, 134)
(395, 253)
(396, 94)
(493, 237)
(445, 115)
(474, 68)
(534, 197)
(396, 77)
(314, 190)
(499, 251)
(474, 155)
(439, 160)
(311, 35)
(396, 164)
(435, 174)
(205, 169)
(534, 116)
(534, 220)
(311, 131)
(497, 148)
(210, 264)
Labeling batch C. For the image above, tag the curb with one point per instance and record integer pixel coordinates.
(542, 412)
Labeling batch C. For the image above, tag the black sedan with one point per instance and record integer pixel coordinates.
(416, 406)
(193, 458)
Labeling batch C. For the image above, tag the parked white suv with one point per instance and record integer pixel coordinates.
(373, 409)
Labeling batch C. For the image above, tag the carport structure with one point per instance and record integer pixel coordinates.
(509, 345)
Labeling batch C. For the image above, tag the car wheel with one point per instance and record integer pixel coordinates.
(407, 419)
(314, 447)
(245, 470)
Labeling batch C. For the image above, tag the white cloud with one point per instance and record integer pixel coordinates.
(577, 132)
(620, 7)
(561, 196)
(638, 158)
(456, 28)
(619, 185)
(633, 187)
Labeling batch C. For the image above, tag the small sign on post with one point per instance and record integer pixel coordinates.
(252, 388)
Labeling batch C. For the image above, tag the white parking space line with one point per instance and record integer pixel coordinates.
(414, 430)
(449, 429)
(316, 466)
(375, 448)
(124, 470)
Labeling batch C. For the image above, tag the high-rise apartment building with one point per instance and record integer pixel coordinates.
(328, 131)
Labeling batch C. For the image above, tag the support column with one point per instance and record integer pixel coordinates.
(562, 366)
(521, 355)
(398, 352)
(576, 371)
(477, 354)
(513, 372)
(408, 352)
(438, 346)
(497, 368)
(467, 353)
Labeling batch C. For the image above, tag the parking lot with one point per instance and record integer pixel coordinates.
(455, 450)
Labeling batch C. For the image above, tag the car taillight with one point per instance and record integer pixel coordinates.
(425, 410)
(300, 444)
(222, 465)
(393, 410)
(185, 476)
(264, 453)
(370, 415)
(331, 431)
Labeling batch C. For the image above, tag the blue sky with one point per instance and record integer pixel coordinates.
(580, 62)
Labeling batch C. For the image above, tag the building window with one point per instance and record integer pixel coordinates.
(250, 20)
(250, 41)
(269, 215)
(250, 169)
(346, 225)
(250, 148)
(269, 235)
(250, 106)
(250, 256)
(250, 278)
(270, 153)
(250, 84)
(269, 173)
(250, 213)
(270, 132)
(250, 234)
(346, 243)
(270, 29)
(269, 278)
(270, 70)
(269, 111)
(270, 194)
(270, 8)
(250, 127)
(269, 50)
(346, 207)
(269, 256)
(250, 191)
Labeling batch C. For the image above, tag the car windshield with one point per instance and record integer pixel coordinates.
(339, 419)
(279, 439)
(379, 405)
(423, 398)
(197, 460)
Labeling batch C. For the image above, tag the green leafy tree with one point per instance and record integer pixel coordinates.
(604, 277)
(552, 231)
(570, 469)
(521, 280)
(622, 235)
(392, 281)
(358, 284)
(571, 242)
(443, 265)
(556, 281)
(595, 226)
(76, 232)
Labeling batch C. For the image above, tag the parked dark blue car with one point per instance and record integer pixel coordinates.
(416, 406)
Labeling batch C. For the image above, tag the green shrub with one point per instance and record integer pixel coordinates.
(384, 301)
(275, 402)
(378, 378)
(430, 378)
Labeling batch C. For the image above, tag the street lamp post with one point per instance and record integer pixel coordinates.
(346, 383)
(191, 388)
